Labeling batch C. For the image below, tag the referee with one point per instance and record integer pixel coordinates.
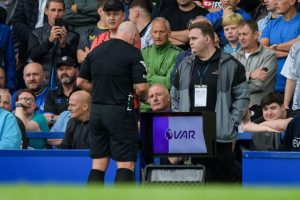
(112, 72)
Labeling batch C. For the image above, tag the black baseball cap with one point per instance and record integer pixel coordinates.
(113, 5)
(66, 60)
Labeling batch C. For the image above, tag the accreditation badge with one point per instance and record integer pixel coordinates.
(200, 96)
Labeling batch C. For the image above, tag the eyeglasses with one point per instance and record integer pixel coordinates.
(28, 99)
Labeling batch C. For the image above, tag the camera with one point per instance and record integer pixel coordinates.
(59, 22)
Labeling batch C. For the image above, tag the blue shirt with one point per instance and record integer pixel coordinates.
(280, 31)
(228, 49)
(61, 123)
(215, 19)
(7, 55)
(39, 100)
(10, 134)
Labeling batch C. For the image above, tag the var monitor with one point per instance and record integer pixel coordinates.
(179, 133)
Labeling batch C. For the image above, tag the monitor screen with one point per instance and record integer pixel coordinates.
(167, 134)
(178, 134)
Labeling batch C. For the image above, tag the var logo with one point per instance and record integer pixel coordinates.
(296, 142)
(179, 134)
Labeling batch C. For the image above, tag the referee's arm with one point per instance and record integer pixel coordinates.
(84, 84)
(141, 90)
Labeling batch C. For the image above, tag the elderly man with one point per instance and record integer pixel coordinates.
(34, 78)
(77, 134)
(159, 98)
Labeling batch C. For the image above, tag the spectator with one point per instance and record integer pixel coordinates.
(259, 62)
(5, 103)
(81, 15)
(10, 134)
(215, 18)
(140, 15)
(57, 100)
(29, 14)
(275, 117)
(7, 56)
(113, 74)
(230, 23)
(278, 36)
(77, 135)
(292, 136)
(271, 7)
(291, 70)
(211, 80)
(188, 52)
(51, 41)
(34, 78)
(161, 56)
(114, 16)
(25, 106)
(159, 98)
(179, 17)
(88, 36)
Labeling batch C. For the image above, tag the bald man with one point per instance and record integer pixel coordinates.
(77, 134)
(34, 78)
(113, 68)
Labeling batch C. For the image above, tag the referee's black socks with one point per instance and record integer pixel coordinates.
(124, 175)
(96, 177)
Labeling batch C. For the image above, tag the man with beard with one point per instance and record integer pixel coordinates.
(34, 78)
(57, 99)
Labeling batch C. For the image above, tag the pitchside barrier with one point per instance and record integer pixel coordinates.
(72, 166)
(56, 166)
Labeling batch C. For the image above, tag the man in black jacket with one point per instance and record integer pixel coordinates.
(52, 40)
(77, 134)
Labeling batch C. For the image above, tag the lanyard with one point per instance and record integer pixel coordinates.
(199, 74)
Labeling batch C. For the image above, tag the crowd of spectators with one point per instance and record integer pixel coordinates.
(238, 58)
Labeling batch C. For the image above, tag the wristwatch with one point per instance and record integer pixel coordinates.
(52, 120)
(275, 46)
(18, 105)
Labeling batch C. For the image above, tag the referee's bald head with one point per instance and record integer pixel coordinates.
(128, 32)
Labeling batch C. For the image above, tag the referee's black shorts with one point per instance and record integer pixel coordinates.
(114, 133)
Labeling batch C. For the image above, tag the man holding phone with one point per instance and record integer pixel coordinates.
(260, 63)
(53, 40)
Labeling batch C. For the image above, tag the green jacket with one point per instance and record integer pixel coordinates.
(160, 62)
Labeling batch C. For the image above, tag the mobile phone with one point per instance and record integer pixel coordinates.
(265, 69)
(59, 22)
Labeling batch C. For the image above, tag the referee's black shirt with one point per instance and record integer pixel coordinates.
(113, 67)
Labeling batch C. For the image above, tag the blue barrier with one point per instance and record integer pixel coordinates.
(52, 166)
(271, 168)
(45, 135)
